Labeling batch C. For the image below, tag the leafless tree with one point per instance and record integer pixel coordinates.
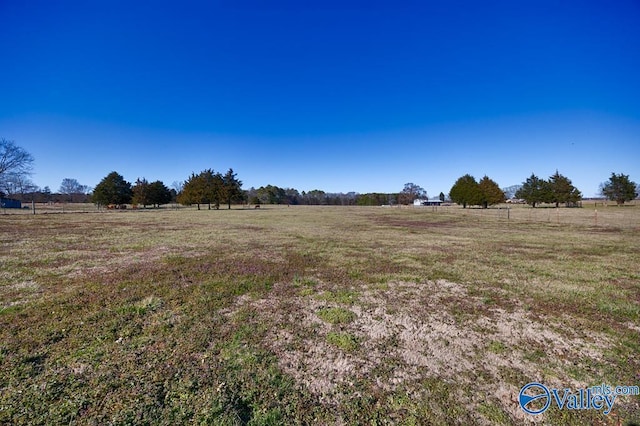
(17, 185)
(73, 191)
(14, 160)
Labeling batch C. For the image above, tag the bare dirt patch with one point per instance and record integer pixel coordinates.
(408, 333)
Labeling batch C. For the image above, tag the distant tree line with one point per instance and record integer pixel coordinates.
(70, 191)
(272, 194)
(212, 188)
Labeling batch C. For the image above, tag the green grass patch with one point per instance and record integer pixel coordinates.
(336, 315)
(497, 347)
(345, 341)
(535, 355)
(494, 413)
(299, 281)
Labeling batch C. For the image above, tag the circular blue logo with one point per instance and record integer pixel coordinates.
(534, 398)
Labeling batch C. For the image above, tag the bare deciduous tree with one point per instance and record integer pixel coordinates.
(73, 190)
(15, 162)
(17, 185)
(410, 192)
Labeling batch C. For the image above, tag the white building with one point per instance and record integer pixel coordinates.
(422, 202)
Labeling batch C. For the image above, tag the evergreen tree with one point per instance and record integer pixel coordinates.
(231, 188)
(619, 188)
(113, 189)
(465, 191)
(141, 192)
(204, 188)
(534, 190)
(213, 188)
(159, 193)
(190, 193)
(561, 190)
(490, 192)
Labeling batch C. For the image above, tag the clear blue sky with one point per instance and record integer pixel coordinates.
(339, 96)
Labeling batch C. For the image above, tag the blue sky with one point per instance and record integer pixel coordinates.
(339, 96)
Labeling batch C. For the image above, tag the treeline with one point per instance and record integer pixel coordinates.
(557, 189)
(272, 194)
(213, 189)
(534, 191)
(22, 189)
(45, 195)
(115, 190)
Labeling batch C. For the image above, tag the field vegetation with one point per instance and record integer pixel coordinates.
(315, 315)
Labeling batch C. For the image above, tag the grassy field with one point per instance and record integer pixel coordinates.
(315, 315)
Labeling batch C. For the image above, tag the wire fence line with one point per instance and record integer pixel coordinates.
(592, 214)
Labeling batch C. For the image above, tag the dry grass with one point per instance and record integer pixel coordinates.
(315, 314)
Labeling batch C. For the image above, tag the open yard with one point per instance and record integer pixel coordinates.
(316, 315)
